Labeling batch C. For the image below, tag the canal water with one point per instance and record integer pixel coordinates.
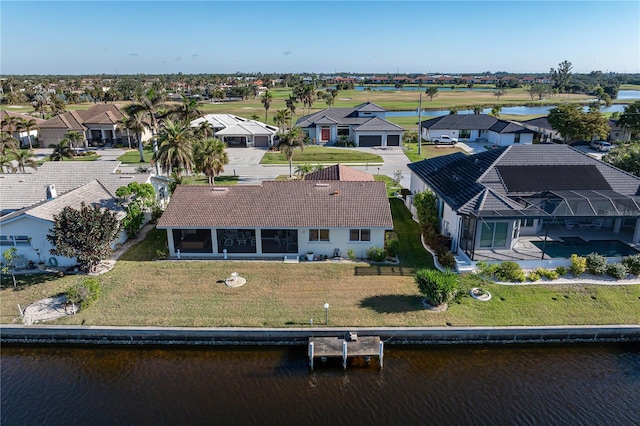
(467, 385)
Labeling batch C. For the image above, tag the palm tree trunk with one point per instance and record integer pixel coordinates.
(290, 167)
(140, 149)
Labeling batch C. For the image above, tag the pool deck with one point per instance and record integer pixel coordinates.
(526, 250)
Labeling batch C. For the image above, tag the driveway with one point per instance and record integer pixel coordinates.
(394, 160)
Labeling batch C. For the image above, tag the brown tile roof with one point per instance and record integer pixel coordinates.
(101, 114)
(340, 172)
(70, 120)
(5, 114)
(297, 204)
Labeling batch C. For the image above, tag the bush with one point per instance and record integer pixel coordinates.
(533, 275)
(561, 270)
(509, 271)
(84, 292)
(632, 263)
(351, 254)
(549, 274)
(486, 270)
(596, 264)
(391, 243)
(447, 260)
(617, 270)
(377, 254)
(578, 265)
(437, 287)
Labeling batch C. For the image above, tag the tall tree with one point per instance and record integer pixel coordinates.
(136, 123)
(210, 157)
(630, 118)
(28, 126)
(281, 118)
(498, 93)
(266, 100)
(24, 158)
(175, 150)
(187, 111)
(8, 143)
(575, 124)
(289, 142)
(148, 107)
(86, 234)
(75, 138)
(432, 92)
(61, 151)
(495, 111)
(538, 90)
(291, 106)
(625, 157)
(561, 76)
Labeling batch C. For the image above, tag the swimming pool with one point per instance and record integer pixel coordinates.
(575, 245)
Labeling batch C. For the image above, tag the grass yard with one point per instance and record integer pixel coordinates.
(321, 155)
(428, 150)
(203, 180)
(133, 156)
(75, 158)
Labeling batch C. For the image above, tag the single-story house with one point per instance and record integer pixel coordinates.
(364, 125)
(618, 132)
(99, 125)
(276, 219)
(237, 131)
(340, 172)
(8, 126)
(541, 126)
(26, 229)
(471, 127)
(531, 203)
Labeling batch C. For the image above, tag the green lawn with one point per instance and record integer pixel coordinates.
(322, 155)
(76, 158)
(203, 180)
(428, 151)
(133, 156)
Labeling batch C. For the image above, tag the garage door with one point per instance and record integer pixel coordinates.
(393, 140)
(261, 141)
(370, 140)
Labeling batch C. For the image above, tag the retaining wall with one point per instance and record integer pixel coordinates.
(98, 335)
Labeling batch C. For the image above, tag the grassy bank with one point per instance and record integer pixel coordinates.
(320, 154)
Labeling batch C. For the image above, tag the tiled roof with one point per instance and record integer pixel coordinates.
(70, 120)
(24, 189)
(343, 116)
(101, 114)
(369, 107)
(4, 114)
(541, 122)
(473, 122)
(280, 204)
(340, 172)
(489, 182)
(378, 124)
(248, 128)
(92, 193)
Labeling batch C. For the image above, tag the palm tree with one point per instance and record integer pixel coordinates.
(8, 143)
(75, 138)
(187, 111)
(291, 106)
(303, 169)
(56, 105)
(62, 151)
(6, 164)
(288, 143)
(281, 118)
(495, 111)
(255, 117)
(135, 123)
(205, 129)
(175, 150)
(210, 157)
(149, 107)
(28, 126)
(25, 158)
(266, 101)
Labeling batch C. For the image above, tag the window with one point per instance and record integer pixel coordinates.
(516, 138)
(359, 235)
(10, 240)
(343, 130)
(526, 223)
(318, 235)
(464, 134)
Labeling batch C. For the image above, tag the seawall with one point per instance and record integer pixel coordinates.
(179, 336)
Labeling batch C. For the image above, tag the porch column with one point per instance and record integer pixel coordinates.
(214, 241)
(617, 224)
(384, 139)
(258, 241)
(636, 233)
(102, 134)
(172, 251)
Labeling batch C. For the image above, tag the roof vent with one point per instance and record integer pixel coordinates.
(322, 185)
(219, 188)
(51, 192)
(125, 177)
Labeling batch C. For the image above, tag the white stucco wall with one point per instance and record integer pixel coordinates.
(37, 229)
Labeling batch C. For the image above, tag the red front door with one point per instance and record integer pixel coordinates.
(325, 135)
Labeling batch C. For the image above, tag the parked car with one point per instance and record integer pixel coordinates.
(602, 146)
(445, 140)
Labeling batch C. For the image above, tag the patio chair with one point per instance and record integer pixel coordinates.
(228, 242)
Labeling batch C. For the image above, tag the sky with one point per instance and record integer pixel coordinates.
(367, 37)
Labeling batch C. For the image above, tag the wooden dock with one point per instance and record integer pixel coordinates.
(335, 347)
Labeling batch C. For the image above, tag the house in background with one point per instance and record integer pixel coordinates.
(364, 125)
(340, 172)
(472, 127)
(21, 135)
(535, 204)
(26, 229)
(277, 219)
(618, 132)
(541, 126)
(237, 131)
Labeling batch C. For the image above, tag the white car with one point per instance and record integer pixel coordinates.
(445, 140)
(601, 146)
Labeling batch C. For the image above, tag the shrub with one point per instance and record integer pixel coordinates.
(377, 254)
(596, 264)
(510, 271)
(437, 287)
(534, 275)
(391, 243)
(578, 265)
(561, 270)
(617, 270)
(632, 263)
(486, 270)
(549, 274)
(351, 254)
(447, 260)
(84, 292)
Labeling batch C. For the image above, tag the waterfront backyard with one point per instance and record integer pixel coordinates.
(142, 291)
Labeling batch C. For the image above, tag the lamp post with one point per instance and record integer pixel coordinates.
(326, 314)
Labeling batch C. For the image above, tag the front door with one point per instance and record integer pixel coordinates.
(325, 134)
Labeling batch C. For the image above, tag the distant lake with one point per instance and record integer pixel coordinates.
(628, 94)
(514, 110)
(423, 88)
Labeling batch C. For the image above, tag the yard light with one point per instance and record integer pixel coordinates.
(326, 313)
